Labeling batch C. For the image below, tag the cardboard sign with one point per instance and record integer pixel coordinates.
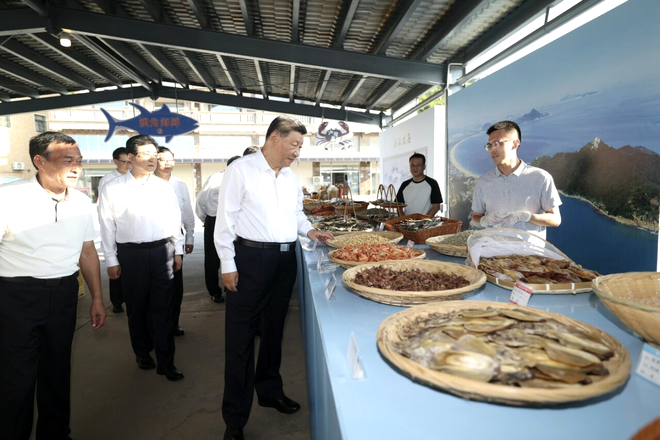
(649, 364)
(354, 359)
(521, 293)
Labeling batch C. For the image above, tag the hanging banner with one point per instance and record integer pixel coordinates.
(161, 122)
(334, 133)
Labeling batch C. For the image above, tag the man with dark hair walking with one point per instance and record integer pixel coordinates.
(420, 193)
(258, 221)
(142, 241)
(120, 158)
(46, 230)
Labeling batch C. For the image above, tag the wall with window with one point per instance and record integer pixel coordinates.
(14, 143)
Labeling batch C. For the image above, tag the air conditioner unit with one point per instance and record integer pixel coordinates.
(18, 166)
(317, 180)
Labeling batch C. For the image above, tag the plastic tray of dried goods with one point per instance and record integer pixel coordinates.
(475, 279)
(452, 346)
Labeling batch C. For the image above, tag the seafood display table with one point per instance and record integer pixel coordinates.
(387, 405)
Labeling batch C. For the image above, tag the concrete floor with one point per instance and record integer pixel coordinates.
(113, 399)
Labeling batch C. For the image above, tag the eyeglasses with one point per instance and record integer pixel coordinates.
(125, 162)
(497, 143)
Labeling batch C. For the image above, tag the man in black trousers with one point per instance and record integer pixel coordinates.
(258, 222)
(46, 230)
(142, 240)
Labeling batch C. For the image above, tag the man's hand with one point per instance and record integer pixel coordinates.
(514, 217)
(189, 248)
(230, 281)
(320, 236)
(114, 272)
(178, 262)
(492, 219)
(97, 313)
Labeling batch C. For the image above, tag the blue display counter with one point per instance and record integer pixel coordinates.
(386, 405)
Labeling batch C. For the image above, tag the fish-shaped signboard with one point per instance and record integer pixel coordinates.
(162, 122)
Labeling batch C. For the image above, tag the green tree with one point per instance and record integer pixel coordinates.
(427, 95)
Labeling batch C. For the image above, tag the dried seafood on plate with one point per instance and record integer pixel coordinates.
(343, 225)
(409, 280)
(535, 269)
(419, 225)
(374, 252)
(358, 238)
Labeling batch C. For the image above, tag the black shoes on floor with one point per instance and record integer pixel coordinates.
(117, 308)
(146, 362)
(178, 331)
(283, 405)
(171, 372)
(218, 298)
(233, 434)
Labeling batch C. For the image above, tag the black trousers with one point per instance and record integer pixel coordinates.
(147, 277)
(265, 284)
(36, 330)
(177, 297)
(116, 292)
(211, 259)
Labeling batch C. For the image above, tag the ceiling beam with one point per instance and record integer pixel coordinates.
(269, 105)
(76, 100)
(32, 56)
(98, 50)
(380, 93)
(77, 58)
(18, 88)
(31, 76)
(402, 15)
(412, 94)
(234, 80)
(352, 90)
(198, 9)
(295, 18)
(21, 21)
(38, 6)
(133, 59)
(292, 82)
(247, 17)
(4, 97)
(260, 79)
(247, 47)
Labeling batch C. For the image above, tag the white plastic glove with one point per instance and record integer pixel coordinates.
(492, 219)
(514, 217)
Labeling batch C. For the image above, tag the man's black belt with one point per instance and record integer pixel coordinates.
(46, 282)
(146, 245)
(282, 247)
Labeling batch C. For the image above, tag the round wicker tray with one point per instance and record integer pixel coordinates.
(349, 264)
(619, 293)
(391, 237)
(435, 243)
(402, 298)
(389, 332)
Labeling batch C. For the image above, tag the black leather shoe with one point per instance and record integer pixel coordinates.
(218, 298)
(146, 362)
(171, 372)
(178, 331)
(233, 434)
(283, 405)
(117, 308)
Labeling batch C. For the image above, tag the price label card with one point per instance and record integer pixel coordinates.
(410, 244)
(381, 227)
(649, 364)
(521, 293)
(354, 359)
(330, 287)
(319, 263)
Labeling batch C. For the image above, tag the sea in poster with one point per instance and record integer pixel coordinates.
(563, 100)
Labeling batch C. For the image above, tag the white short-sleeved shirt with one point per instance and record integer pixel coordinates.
(528, 188)
(40, 237)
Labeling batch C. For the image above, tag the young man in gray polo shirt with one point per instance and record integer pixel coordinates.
(514, 194)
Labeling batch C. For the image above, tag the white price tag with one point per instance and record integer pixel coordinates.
(649, 364)
(319, 263)
(381, 227)
(354, 359)
(314, 247)
(521, 293)
(410, 244)
(330, 287)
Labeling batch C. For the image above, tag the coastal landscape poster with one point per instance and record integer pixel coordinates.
(588, 106)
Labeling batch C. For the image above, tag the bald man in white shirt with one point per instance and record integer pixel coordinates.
(258, 221)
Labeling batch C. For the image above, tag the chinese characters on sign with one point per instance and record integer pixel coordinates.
(400, 141)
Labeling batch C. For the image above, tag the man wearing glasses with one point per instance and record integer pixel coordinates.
(514, 194)
(421, 193)
(120, 158)
(141, 236)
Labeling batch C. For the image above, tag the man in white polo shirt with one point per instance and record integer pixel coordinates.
(420, 193)
(46, 230)
(514, 194)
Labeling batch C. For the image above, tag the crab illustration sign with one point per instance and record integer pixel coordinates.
(330, 133)
(161, 122)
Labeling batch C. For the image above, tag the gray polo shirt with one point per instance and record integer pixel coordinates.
(528, 188)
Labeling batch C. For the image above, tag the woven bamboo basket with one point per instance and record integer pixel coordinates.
(624, 295)
(401, 298)
(390, 330)
(450, 227)
(337, 233)
(436, 244)
(548, 289)
(342, 241)
(419, 255)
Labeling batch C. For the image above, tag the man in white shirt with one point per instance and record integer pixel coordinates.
(120, 158)
(206, 208)
(420, 193)
(46, 230)
(258, 221)
(142, 241)
(164, 170)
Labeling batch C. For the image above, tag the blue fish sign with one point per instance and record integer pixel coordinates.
(159, 123)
